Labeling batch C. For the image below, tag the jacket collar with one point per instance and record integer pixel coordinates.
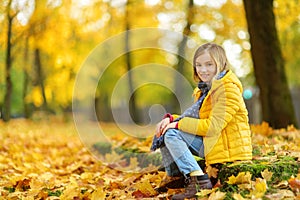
(228, 77)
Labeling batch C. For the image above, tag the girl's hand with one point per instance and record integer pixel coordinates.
(161, 126)
(170, 125)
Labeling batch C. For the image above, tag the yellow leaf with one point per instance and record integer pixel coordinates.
(98, 194)
(204, 192)
(36, 187)
(71, 191)
(260, 188)
(151, 177)
(231, 180)
(113, 157)
(263, 129)
(87, 176)
(134, 164)
(241, 178)
(244, 177)
(146, 188)
(267, 175)
(238, 197)
(217, 195)
(245, 186)
(144, 149)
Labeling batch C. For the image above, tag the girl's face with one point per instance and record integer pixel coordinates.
(205, 67)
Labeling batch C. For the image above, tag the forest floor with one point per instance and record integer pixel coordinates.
(49, 160)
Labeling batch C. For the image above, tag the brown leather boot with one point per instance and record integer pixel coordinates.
(171, 182)
(194, 185)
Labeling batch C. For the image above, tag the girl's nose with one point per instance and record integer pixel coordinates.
(203, 69)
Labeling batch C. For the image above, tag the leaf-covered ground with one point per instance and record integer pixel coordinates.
(47, 160)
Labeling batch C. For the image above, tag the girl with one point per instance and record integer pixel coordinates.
(215, 127)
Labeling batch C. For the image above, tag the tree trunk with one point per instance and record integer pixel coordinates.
(180, 56)
(8, 64)
(26, 106)
(277, 106)
(103, 108)
(40, 76)
(132, 102)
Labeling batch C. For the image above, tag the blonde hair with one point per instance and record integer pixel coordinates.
(218, 55)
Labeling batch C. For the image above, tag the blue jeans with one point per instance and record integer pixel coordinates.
(177, 154)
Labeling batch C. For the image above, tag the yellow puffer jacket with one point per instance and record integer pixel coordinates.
(223, 122)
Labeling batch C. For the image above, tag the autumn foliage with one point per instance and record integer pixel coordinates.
(47, 160)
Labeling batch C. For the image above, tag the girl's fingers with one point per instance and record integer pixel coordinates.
(165, 129)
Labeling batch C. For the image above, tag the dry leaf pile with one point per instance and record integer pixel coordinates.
(47, 160)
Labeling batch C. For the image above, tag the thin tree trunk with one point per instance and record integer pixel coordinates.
(180, 56)
(40, 76)
(277, 106)
(8, 64)
(103, 110)
(26, 79)
(132, 102)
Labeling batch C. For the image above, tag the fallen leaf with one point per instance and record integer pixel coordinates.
(71, 191)
(35, 164)
(241, 178)
(212, 172)
(281, 194)
(260, 188)
(238, 197)
(205, 192)
(282, 185)
(133, 164)
(145, 188)
(139, 194)
(98, 194)
(294, 183)
(266, 174)
(217, 195)
(23, 185)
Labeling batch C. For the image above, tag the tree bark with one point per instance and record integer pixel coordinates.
(40, 76)
(8, 63)
(103, 108)
(180, 55)
(277, 106)
(132, 102)
(26, 80)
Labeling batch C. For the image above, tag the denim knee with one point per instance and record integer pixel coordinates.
(170, 135)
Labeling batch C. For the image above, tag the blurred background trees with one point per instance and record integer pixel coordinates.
(276, 101)
(43, 44)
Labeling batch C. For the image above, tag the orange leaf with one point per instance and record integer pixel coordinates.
(294, 183)
(23, 185)
(138, 194)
